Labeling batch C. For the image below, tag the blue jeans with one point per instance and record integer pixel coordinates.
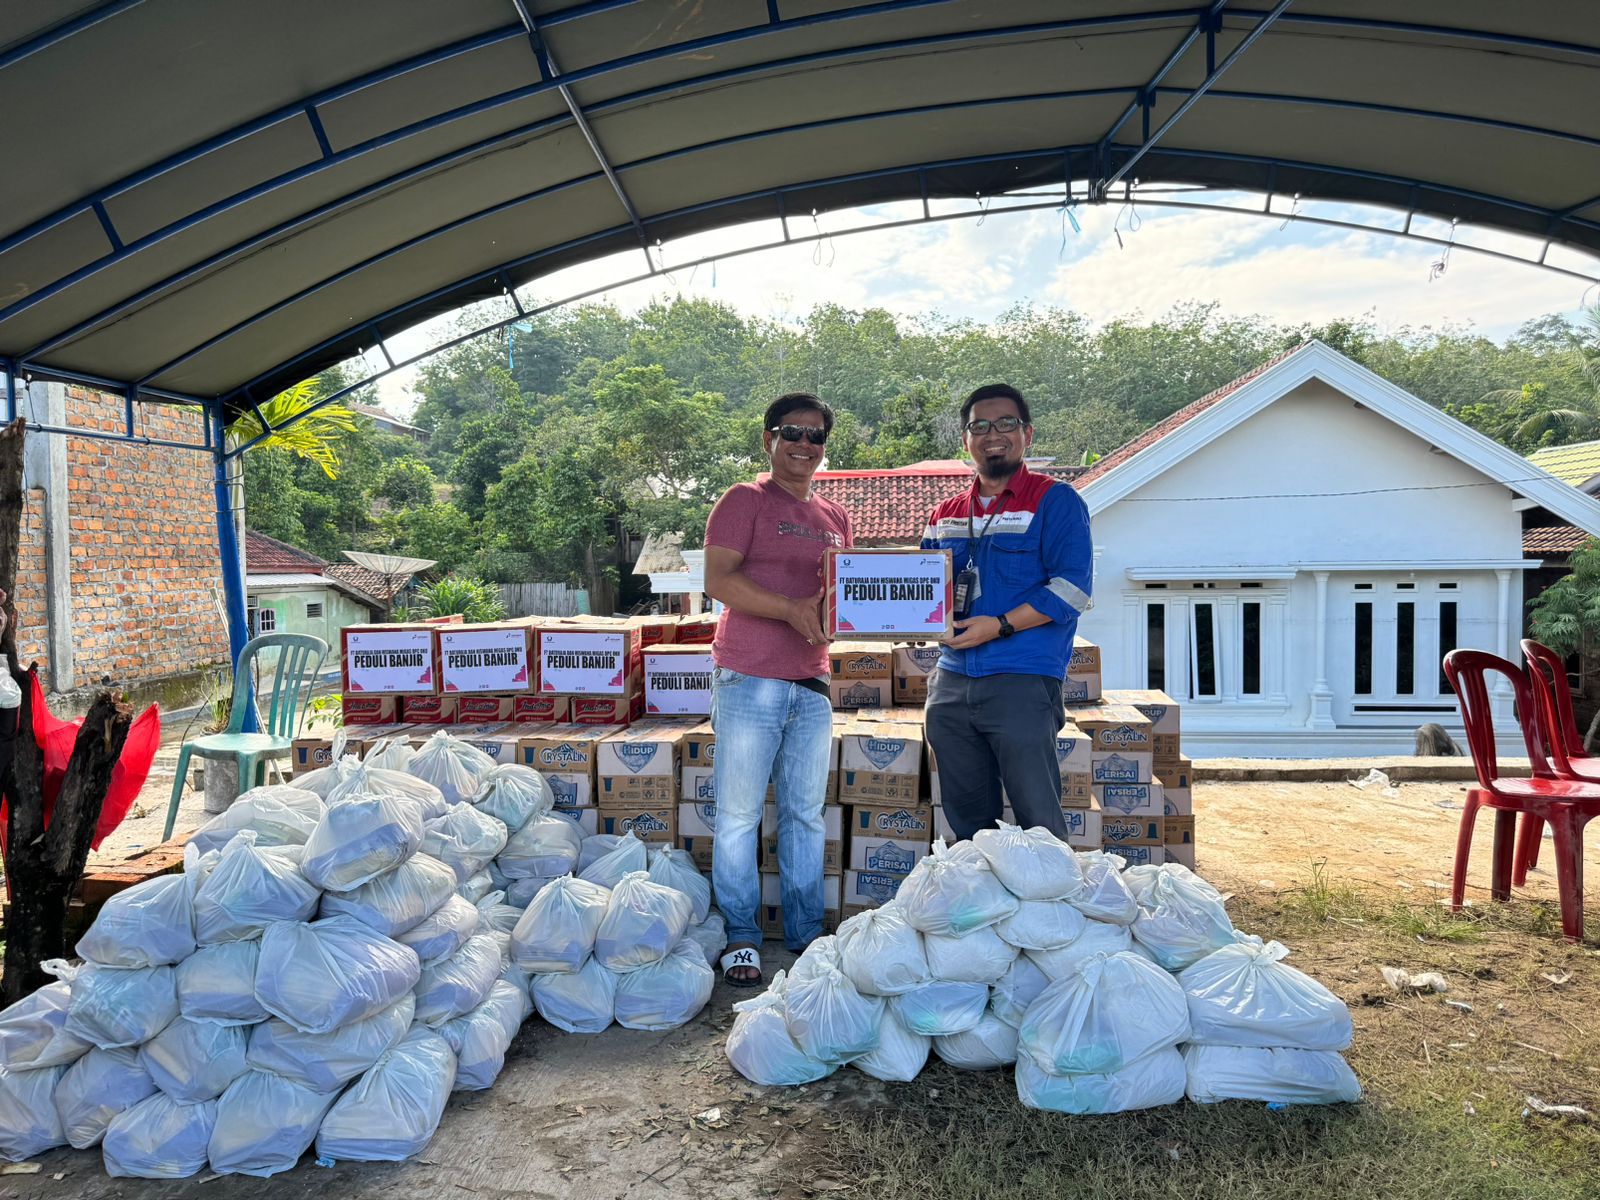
(777, 730)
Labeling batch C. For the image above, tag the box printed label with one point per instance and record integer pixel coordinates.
(899, 822)
(483, 660)
(677, 683)
(889, 856)
(390, 660)
(1116, 769)
(906, 593)
(583, 663)
(874, 887)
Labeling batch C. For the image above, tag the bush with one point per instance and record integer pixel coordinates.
(475, 599)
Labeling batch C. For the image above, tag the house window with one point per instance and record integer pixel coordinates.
(1155, 641)
(1363, 648)
(1203, 657)
(313, 611)
(1250, 648)
(1447, 638)
(263, 620)
(1405, 648)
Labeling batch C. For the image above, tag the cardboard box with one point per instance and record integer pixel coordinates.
(860, 693)
(1182, 775)
(316, 750)
(697, 818)
(586, 819)
(391, 660)
(1083, 827)
(474, 708)
(1129, 799)
(528, 709)
(436, 709)
(1085, 657)
(1178, 831)
(904, 714)
(913, 823)
(832, 835)
(868, 889)
(495, 658)
(880, 761)
(595, 660)
(1183, 855)
(652, 749)
(1177, 802)
(699, 630)
(1141, 856)
(1076, 790)
(698, 785)
(890, 856)
(500, 741)
(1073, 750)
(563, 747)
(572, 789)
(1081, 689)
(1121, 766)
(1161, 709)
(1117, 830)
(677, 680)
(699, 745)
(654, 630)
(911, 666)
(890, 593)
(657, 824)
(859, 660)
(1117, 727)
(701, 849)
(369, 710)
(605, 710)
(643, 791)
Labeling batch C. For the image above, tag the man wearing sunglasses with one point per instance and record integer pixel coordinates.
(769, 690)
(1020, 548)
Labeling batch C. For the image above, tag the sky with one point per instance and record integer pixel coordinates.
(1121, 261)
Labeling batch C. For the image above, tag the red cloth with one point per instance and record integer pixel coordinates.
(56, 738)
(782, 540)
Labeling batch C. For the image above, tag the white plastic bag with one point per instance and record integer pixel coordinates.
(626, 857)
(397, 900)
(1150, 1081)
(218, 983)
(443, 931)
(899, 1055)
(938, 1008)
(280, 814)
(390, 754)
(1141, 879)
(476, 887)
(359, 839)
(264, 1124)
(453, 766)
(596, 846)
(193, 1061)
(1105, 897)
(761, 1048)
(150, 924)
(112, 1007)
(95, 1089)
(456, 985)
(1042, 925)
(580, 1002)
(545, 847)
(1246, 995)
(829, 1019)
(556, 932)
(391, 1112)
(328, 973)
(514, 795)
(1180, 923)
(643, 922)
(953, 893)
(675, 868)
(465, 840)
(33, 1032)
(522, 892)
(481, 1037)
(881, 953)
(1019, 987)
(1275, 1075)
(1034, 864)
(29, 1123)
(159, 1138)
(822, 954)
(1116, 1008)
(981, 956)
(711, 935)
(325, 1062)
(666, 994)
(989, 1044)
(358, 779)
(249, 889)
(1097, 938)
(495, 914)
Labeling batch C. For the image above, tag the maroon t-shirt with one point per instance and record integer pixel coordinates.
(782, 540)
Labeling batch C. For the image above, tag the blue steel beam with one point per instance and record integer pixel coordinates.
(1150, 139)
(233, 589)
(62, 32)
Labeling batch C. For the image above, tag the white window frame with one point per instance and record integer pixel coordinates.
(1227, 599)
(1426, 700)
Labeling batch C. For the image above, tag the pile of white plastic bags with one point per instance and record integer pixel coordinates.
(1107, 989)
(333, 961)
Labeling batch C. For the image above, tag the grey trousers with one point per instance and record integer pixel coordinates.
(996, 729)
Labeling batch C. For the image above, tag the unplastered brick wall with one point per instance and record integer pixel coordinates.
(31, 646)
(146, 582)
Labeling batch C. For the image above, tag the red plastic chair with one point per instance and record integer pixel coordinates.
(1567, 805)
(1559, 726)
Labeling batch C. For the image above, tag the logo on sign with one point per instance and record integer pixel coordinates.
(645, 823)
(565, 791)
(564, 755)
(1077, 821)
(636, 755)
(926, 657)
(1156, 712)
(1124, 736)
(1074, 689)
(1137, 856)
(1117, 768)
(859, 695)
(900, 821)
(889, 857)
(707, 812)
(881, 888)
(881, 752)
(1121, 831)
(864, 662)
(1123, 797)
(706, 789)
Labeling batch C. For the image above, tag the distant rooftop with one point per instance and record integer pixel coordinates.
(1577, 464)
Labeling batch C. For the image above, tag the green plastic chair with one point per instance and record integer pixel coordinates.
(300, 658)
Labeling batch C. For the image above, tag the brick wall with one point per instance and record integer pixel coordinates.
(146, 582)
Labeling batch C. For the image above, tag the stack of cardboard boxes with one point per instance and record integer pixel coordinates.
(886, 807)
(638, 774)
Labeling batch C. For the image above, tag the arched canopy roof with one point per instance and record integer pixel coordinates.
(217, 198)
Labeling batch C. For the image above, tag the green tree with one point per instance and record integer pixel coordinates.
(1566, 617)
(923, 422)
(551, 516)
(490, 441)
(405, 483)
(441, 532)
(475, 599)
(1093, 428)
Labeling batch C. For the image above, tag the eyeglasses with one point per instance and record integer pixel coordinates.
(1001, 425)
(793, 433)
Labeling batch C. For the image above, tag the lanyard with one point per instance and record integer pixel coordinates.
(999, 504)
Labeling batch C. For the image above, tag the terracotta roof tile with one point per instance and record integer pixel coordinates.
(265, 555)
(889, 508)
(1553, 539)
(1177, 420)
(370, 583)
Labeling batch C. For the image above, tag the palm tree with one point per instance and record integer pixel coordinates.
(313, 438)
(1582, 417)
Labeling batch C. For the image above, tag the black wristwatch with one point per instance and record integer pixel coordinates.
(1005, 626)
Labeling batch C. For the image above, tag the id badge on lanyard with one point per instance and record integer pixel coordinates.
(968, 583)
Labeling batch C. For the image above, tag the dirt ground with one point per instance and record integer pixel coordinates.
(616, 1115)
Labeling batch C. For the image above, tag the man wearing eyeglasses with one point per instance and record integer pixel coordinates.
(1020, 547)
(769, 690)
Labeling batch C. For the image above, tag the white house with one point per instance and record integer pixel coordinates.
(1290, 557)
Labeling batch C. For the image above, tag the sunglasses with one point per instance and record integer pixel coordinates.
(1003, 425)
(793, 433)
